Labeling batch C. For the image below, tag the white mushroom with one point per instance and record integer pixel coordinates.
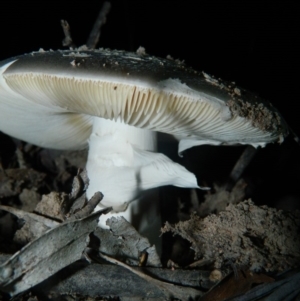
(115, 101)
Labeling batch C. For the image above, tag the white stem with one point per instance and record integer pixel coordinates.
(123, 165)
(111, 167)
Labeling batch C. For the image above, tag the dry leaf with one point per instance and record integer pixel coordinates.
(12, 181)
(48, 254)
(35, 225)
(287, 289)
(235, 284)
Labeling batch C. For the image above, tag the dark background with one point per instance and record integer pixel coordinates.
(254, 43)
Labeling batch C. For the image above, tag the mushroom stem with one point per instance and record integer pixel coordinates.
(122, 164)
(110, 164)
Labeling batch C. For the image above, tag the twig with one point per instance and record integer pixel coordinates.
(67, 41)
(100, 21)
(240, 166)
(89, 207)
(20, 158)
(77, 188)
(168, 289)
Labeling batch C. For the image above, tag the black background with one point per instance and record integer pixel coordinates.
(254, 43)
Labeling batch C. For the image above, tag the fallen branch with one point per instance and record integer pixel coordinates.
(104, 280)
(100, 21)
(168, 290)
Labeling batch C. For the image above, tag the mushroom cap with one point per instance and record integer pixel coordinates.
(49, 98)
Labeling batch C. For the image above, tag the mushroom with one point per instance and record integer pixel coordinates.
(115, 102)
